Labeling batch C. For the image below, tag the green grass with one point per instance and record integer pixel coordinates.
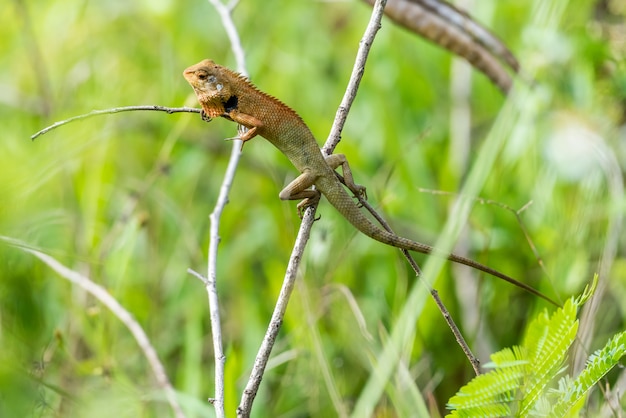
(95, 195)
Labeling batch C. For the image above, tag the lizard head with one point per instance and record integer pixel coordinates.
(209, 81)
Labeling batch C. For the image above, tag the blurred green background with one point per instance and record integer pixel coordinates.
(125, 199)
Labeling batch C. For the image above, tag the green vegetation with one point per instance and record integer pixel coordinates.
(124, 199)
(519, 384)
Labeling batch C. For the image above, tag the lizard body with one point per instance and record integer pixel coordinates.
(224, 93)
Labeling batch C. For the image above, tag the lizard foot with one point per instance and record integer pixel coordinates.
(244, 134)
(360, 192)
(309, 201)
(204, 116)
(234, 138)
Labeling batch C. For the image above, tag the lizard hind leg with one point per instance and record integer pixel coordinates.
(299, 189)
(336, 160)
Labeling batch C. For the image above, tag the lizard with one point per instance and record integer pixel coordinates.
(224, 93)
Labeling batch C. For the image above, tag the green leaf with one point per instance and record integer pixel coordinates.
(547, 341)
(598, 365)
(519, 384)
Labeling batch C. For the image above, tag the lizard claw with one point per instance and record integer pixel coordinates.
(301, 214)
(360, 192)
(309, 201)
(301, 210)
(204, 116)
(235, 138)
(242, 134)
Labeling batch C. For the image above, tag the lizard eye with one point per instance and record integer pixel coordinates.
(204, 76)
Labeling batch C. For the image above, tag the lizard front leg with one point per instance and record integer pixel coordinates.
(299, 189)
(336, 160)
(250, 122)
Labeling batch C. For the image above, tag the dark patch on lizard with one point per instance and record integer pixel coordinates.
(231, 104)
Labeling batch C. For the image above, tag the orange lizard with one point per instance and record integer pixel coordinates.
(224, 93)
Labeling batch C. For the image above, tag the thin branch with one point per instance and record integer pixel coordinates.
(265, 350)
(288, 283)
(385, 362)
(335, 136)
(124, 316)
(115, 110)
(456, 332)
(211, 282)
(225, 12)
(198, 276)
(355, 78)
(333, 140)
(435, 295)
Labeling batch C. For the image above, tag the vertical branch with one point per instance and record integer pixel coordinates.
(225, 12)
(211, 283)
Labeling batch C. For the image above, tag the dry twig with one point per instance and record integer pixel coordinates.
(124, 316)
(211, 283)
(114, 110)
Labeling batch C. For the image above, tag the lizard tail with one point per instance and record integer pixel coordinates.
(341, 200)
(386, 237)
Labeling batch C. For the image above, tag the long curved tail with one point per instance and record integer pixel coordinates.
(386, 237)
(341, 200)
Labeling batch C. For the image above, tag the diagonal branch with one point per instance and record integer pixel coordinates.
(335, 136)
(309, 217)
(267, 344)
(355, 78)
(124, 316)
